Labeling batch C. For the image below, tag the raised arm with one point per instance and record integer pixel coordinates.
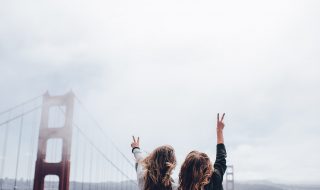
(220, 163)
(135, 145)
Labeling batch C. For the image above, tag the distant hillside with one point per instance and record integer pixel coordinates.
(252, 185)
(273, 186)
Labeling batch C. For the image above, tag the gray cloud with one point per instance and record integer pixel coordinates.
(162, 70)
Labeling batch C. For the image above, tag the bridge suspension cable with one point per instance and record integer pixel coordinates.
(20, 115)
(20, 105)
(103, 132)
(18, 154)
(102, 153)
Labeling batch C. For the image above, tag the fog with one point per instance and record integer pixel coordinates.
(161, 70)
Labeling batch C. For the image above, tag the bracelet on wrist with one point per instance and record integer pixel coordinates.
(135, 148)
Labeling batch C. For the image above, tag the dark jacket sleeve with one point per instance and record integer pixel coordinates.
(219, 169)
(220, 165)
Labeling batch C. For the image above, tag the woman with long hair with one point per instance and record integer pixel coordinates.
(197, 172)
(154, 171)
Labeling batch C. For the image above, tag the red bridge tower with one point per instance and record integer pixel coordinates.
(62, 168)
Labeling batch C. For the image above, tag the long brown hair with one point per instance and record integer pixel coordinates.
(195, 172)
(159, 165)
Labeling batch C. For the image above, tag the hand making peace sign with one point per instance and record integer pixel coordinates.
(220, 126)
(135, 143)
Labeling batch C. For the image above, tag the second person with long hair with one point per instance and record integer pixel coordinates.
(197, 172)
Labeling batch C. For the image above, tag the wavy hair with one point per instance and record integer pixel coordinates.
(159, 165)
(195, 172)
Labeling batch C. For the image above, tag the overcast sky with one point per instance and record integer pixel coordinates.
(163, 69)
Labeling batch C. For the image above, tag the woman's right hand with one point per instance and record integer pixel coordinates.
(135, 143)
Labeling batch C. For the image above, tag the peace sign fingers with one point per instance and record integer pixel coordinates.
(135, 143)
(220, 124)
(218, 117)
(134, 139)
(222, 117)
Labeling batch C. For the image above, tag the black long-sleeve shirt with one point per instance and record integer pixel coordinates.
(219, 169)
